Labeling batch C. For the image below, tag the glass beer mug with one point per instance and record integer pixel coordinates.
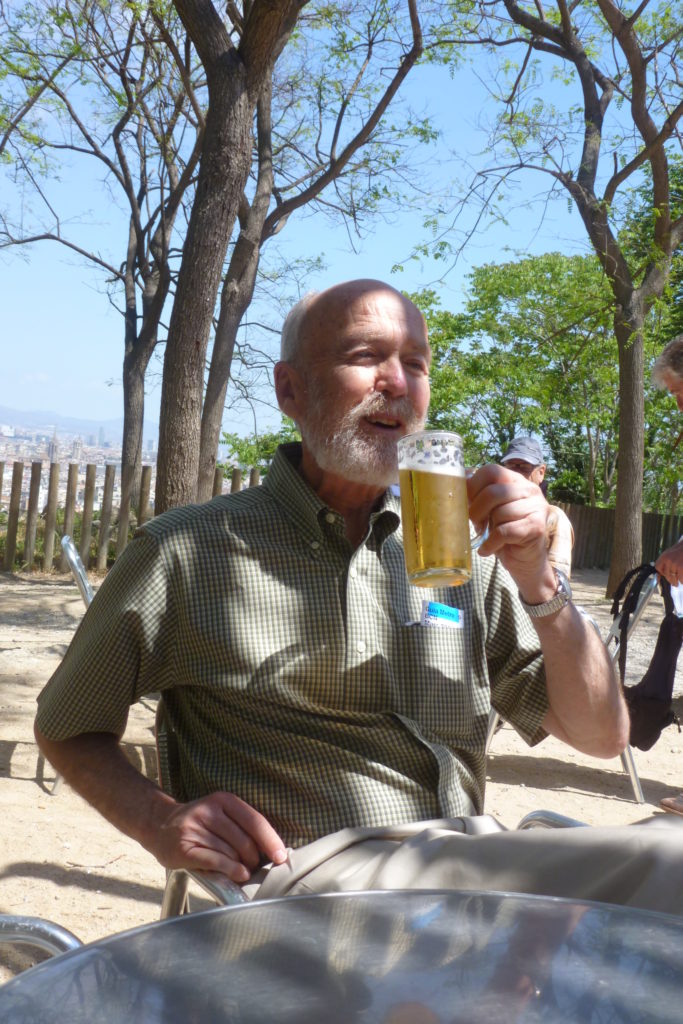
(434, 509)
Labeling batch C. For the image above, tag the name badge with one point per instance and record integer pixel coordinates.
(441, 615)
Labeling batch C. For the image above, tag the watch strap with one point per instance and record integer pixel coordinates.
(561, 597)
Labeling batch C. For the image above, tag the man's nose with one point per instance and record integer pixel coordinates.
(391, 378)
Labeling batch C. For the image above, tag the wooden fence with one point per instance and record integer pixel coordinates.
(593, 527)
(109, 531)
(594, 535)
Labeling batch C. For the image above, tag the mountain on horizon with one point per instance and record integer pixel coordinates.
(49, 421)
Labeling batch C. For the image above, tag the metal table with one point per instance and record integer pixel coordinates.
(385, 958)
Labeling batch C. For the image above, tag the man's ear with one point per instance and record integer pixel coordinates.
(289, 390)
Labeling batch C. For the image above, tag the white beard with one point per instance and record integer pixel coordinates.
(346, 450)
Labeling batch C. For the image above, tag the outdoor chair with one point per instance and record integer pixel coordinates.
(37, 933)
(87, 593)
(78, 569)
(176, 898)
(612, 643)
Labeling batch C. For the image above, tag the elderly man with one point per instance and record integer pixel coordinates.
(523, 455)
(321, 729)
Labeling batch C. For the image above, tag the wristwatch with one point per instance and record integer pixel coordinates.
(560, 598)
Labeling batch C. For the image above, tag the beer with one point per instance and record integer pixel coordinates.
(436, 528)
(435, 512)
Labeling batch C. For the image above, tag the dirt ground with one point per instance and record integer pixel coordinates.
(59, 860)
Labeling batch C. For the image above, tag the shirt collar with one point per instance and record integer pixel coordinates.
(284, 482)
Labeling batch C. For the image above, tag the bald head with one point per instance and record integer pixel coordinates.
(322, 315)
(669, 365)
(354, 377)
(667, 371)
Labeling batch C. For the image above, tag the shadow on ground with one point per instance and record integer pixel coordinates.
(89, 881)
(142, 756)
(555, 775)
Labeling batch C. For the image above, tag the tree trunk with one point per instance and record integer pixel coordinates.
(235, 79)
(235, 301)
(628, 516)
(134, 368)
(212, 413)
(238, 290)
(225, 163)
(137, 354)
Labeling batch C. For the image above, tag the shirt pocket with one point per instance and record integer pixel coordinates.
(445, 683)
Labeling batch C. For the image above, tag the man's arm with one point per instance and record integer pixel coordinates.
(219, 832)
(670, 564)
(587, 709)
(560, 540)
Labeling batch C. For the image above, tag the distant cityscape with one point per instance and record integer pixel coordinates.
(20, 442)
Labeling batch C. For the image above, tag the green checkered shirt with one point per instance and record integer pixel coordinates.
(294, 669)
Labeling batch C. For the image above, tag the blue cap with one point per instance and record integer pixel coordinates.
(526, 449)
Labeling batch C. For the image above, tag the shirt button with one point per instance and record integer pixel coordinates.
(315, 544)
(353, 572)
(360, 646)
(330, 517)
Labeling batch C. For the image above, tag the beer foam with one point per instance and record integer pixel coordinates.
(441, 468)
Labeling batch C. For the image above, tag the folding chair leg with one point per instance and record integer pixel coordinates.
(629, 765)
(494, 719)
(175, 901)
(627, 760)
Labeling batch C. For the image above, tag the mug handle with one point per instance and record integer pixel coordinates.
(482, 535)
(479, 538)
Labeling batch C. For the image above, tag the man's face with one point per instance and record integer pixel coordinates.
(674, 385)
(527, 469)
(365, 368)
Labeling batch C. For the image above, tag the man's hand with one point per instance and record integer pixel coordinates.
(670, 564)
(517, 514)
(586, 708)
(219, 832)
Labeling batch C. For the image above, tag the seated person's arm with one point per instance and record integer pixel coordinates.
(219, 832)
(561, 536)
(670, 564)
(586, 707)
(123, 648)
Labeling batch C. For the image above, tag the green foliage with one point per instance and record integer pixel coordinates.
(257, 450)
(637, 238)
(534, 352)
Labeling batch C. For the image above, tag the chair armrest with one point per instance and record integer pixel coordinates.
(221, 889)
(37, 932)
(548, 819)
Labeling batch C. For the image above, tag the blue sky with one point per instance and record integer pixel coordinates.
(63, 341)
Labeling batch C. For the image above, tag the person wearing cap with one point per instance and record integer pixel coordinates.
(524, 455)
